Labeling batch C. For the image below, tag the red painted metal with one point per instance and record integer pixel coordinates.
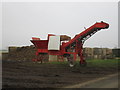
(40, 44)
(99, 26)
(34, 38)
(75, 44)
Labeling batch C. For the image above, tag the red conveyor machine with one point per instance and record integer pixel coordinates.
(69, 49)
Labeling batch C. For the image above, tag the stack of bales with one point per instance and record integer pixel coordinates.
(107, 53)
(3, 54)
(98, 53)
(103, 53)
(28, 53)
(88, 53)
(21, 53)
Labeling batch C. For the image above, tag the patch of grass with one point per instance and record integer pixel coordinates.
(112, 63)
(56, 62)
(103, 63)
(94, 63)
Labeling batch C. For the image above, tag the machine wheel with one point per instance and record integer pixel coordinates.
(83, 64)
(71, 65)
(70, 60)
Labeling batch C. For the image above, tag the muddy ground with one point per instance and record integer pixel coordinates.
(19, 74)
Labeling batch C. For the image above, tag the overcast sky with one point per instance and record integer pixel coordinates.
(23, 20)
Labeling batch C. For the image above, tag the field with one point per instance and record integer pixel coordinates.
(24, 74)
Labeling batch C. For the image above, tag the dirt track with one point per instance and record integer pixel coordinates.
(109, 81)
(35, 75)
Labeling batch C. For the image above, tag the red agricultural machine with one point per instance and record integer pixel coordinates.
(66, 47)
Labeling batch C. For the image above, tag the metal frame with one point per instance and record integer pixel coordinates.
(73, 47)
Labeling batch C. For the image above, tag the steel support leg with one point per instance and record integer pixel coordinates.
(80, 53)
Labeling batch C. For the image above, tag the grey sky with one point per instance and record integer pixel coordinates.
(23, 20)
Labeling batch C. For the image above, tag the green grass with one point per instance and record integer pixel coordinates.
(94, 63)
(112, 63)
(103, 63)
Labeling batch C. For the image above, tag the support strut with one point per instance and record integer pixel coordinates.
(80, 53)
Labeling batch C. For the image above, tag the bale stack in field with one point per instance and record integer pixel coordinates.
(98, 53)
(12, 49)
(26, 53)
(88, 53)
(21, 53)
